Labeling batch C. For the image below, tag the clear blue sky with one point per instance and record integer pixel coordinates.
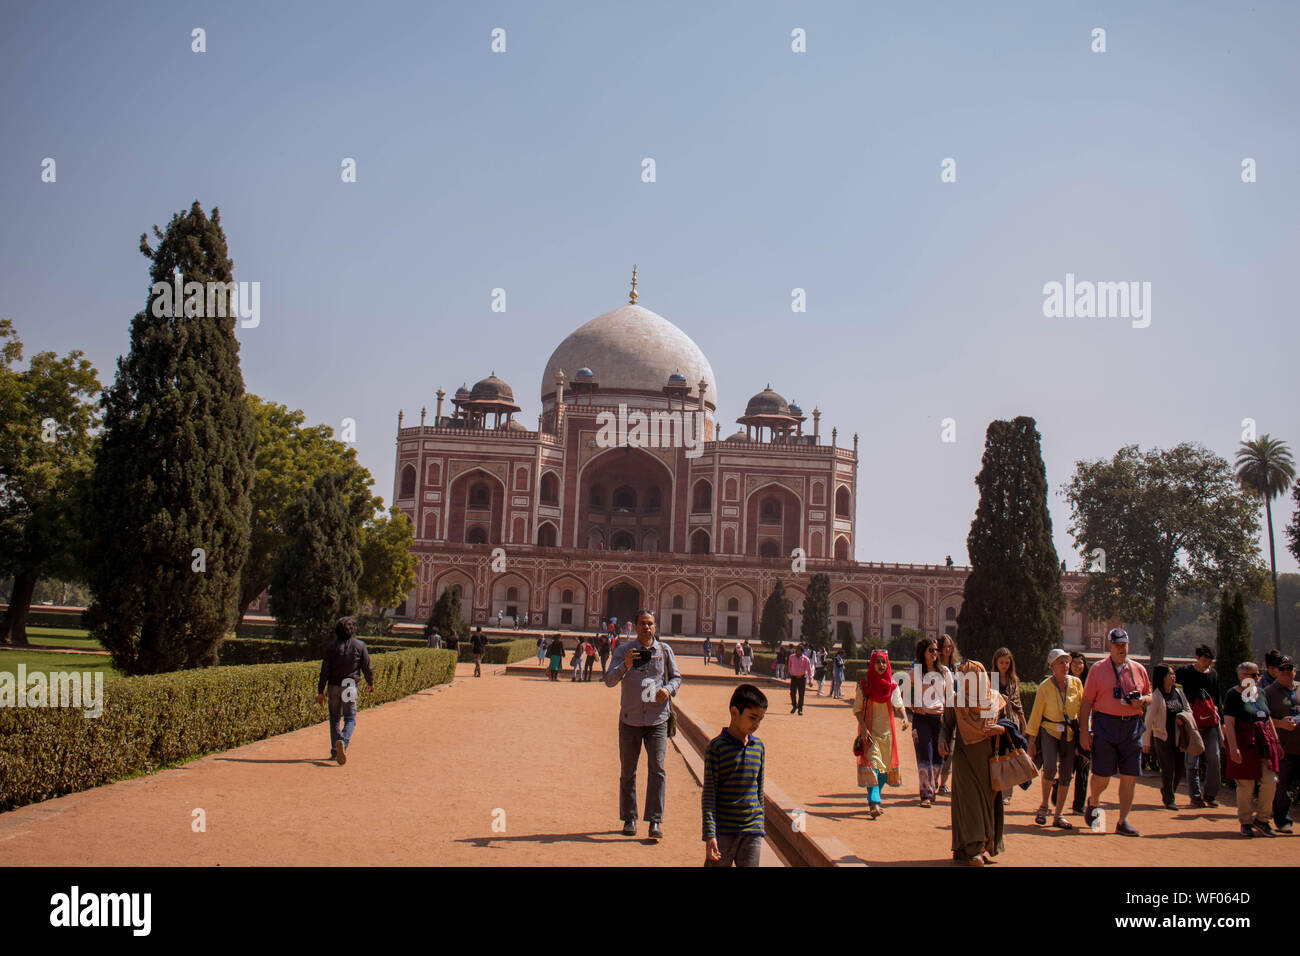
(775, 170)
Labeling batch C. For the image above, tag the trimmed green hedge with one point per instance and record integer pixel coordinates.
(150, 722)
(505, 652)
(765, 663)
(251, 650)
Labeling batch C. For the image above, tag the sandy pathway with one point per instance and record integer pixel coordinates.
(809, 757)
(424, 781)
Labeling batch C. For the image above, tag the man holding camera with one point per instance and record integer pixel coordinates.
(1115, 697)
(647, 669)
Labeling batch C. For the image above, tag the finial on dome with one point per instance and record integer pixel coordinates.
(632, 299)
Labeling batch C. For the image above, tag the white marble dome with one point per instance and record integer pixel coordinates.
(631, 348)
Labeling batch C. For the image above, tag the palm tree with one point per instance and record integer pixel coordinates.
(1265, 468)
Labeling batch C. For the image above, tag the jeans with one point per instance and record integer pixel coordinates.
(742, 849)
(630, 741)
(347, 709)
(1287, 772)
(591, 665)
(926, 743)
(837, 682)
(1171, 767)
(1208, 764)
(797, 688)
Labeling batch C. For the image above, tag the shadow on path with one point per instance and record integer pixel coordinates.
(606, 836)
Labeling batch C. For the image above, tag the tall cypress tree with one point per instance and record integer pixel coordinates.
(314, 581)
(169, 502)
(1233, 638)
(447, 617)
(1012, 596)
(815, 625)
(774, 626)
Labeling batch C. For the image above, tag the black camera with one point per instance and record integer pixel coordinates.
(1132, 697)
(643, 656)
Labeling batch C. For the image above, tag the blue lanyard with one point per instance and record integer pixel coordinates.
(1118, 670)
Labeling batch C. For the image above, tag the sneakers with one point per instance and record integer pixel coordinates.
(1125, 829)
(629, 828)
(340, 755)
(1197, 803)
(1090, 814)
(1262, 827)
(1171, 805)
(1211, 803)
(1285, 828)
(656, 832)
(1247, 830)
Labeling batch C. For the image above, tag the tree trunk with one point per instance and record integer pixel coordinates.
(1158, 630)
(13, 627)
(1272, 562)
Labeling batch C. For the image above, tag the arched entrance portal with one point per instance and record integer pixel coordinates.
(622, 601)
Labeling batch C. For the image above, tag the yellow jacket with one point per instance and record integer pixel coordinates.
(1047, 707)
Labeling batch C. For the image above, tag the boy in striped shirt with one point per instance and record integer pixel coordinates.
(733, 784)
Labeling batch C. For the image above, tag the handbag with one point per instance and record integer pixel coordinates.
(1206, 714)
(1008, 771)
(672, 719)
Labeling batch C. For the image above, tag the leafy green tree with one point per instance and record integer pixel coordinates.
(290, 457)
(849, 643)
(448, 616)
(387, 564)
(815, 626)
(774, 626)
(903, 647)
(314, 581)
(170, 497)
(1160, 524)
(1233, 639)
(1012, 595)
(1266, 469)
(47, 414)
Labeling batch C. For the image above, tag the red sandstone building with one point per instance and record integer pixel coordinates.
(574, 522)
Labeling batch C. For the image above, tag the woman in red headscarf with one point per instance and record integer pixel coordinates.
(877, 703)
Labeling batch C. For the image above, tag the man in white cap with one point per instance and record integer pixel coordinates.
(1115, 698)
(1056, 715)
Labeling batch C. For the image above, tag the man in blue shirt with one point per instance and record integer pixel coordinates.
(647, 670)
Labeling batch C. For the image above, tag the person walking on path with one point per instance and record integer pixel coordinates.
(602, 646)
(1115, 696)
(1082, 759)
(876, 704)
(1004, 667)
(819, 669)
(925, 703)
(970, 731)
(738, 658)
(434, 641)
(345, 660)
(589, 656)
(1283, 706)
(1170, 731)
(732, 802)
(747, 660)
(541, 650)
(1253, 752)
(1053, 729)
(556, 653)
(708, 649)
(647, 671)
(949, 659)
(722, 653)
(800, 671)
(579, 658)
(837, 676)
(1200, 683)
(782, 657)
(478, 644)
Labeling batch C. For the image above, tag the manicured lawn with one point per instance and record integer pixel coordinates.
(37, 661)
(72, 637)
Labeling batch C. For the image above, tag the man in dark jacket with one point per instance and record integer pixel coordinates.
(346, 659)
(478, 643)
(1200, 682)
